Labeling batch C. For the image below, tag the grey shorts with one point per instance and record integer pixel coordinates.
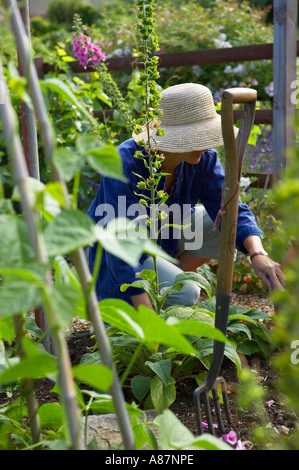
(208, 244)
(209, 249)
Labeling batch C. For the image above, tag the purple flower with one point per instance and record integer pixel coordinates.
(86, 51)
(230, 438)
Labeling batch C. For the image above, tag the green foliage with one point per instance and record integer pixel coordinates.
(151, 350)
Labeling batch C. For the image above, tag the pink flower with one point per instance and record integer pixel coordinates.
(205, 425)
(86, 51)
(230, 438)
(240, 446)
(94, 60)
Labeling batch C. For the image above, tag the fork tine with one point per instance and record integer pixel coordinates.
(197, 403)
(218, 410)
(225, 401)
(208, 411)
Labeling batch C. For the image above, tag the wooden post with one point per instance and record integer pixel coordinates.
(284, 73)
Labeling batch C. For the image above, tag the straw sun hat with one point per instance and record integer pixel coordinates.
(189, 120)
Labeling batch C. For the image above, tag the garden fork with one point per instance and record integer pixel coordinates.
(234, 152)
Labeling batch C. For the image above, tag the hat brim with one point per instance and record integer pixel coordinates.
(186, 138)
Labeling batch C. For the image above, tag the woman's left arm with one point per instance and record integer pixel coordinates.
(263, 265)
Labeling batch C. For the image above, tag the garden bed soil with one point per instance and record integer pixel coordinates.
(80, 342)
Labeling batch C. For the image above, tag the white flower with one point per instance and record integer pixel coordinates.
(239, 69)
(220, 44)
(269, 89)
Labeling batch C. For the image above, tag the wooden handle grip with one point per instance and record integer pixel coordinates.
(240, 95)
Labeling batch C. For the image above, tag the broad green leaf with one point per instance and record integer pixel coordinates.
(193, 278)
(182, 313)
(18, 295)
(121, 315)
(68, 162)
(104, 159)
(51, 415)
(120, 237)
(257, 314)
(96, 375)
(69, 231)
(145, 324)
(7, 331)
(104, 404)
(162, 395)
(162, 368)
(173, 435)
(60, 87)
(147, 274)
(68, 301)
(140, 386)
(195, 327)
(237, 328)
(205, 351)
(35, 367)
(107, 162)
(15, 247)
(45, 201)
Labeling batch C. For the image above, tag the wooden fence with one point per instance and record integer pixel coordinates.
(187, 59)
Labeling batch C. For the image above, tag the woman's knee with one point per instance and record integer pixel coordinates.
(188, 296)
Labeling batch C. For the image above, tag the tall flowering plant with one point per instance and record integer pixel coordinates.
(86, 51)
(90, 54)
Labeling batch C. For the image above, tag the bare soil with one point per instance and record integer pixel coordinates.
(80, 343)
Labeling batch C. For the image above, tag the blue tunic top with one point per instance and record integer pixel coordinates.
(201, 182)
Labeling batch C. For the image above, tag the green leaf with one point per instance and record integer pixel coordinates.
(18, 295)
(145, 324)
(36, 367)
(51, 415)
(241, 317)
(107, 162)
(205, 351)
(193, 278)
(237, 328)
(197, 328)
(69, 231)
(68, 162)
(68, 301)
(162, 395)
(45, 201)
(173, 435)
(15, 247)
(97, 376)
(182, 313)
(140, 386)
(121, 315)
(7, 331)
(120, 236)
(162, 369)
(60, 87)
(104, 159)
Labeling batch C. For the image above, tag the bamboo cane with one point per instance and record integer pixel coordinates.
(30, 145)
(14, 148)
(79, 256)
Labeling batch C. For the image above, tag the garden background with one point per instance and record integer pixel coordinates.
(180, 26)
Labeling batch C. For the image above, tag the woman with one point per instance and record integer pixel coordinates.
(195, 177)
